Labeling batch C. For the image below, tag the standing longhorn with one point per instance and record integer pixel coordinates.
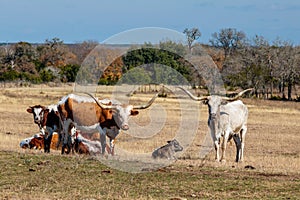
(228, 119)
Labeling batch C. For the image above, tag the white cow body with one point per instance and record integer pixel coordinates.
(232, 124)
(228, 119)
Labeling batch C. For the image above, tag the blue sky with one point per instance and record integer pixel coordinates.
(77, 21)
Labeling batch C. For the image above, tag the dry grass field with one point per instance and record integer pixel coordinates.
(272, 148)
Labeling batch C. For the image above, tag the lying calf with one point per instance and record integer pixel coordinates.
(80, 144)
(167, 151)
(37, 142)
(83, 143)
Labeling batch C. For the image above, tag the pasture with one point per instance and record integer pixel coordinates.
(271, 149)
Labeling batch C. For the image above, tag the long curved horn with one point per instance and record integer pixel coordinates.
(237, 96)
(194, 97)
(99, 103)
(148, 104)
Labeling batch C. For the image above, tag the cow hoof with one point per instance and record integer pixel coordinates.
(223, 161)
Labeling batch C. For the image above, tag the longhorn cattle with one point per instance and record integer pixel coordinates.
(46, 118)
(90, 114)
(228, 119)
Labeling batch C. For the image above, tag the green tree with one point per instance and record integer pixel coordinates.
(144, 56)
(68, 73)
(47, 75)
(52, 53)
(136, 75)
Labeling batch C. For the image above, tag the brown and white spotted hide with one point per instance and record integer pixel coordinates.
(38, 113)
(81, 144)
(92, 115)
(48, 120)
(86, 114)
(37, 142)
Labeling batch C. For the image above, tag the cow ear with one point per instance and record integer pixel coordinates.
(205, 102)
(134, 112)
(29, 110)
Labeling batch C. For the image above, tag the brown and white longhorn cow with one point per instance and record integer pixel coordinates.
(48, 120)
(228, 119)
(90, 114)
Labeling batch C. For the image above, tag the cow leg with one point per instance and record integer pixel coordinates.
(237, 142)
(102, 138)
(68, 145)
(216, 142)
(59, 139)
(217, 148)
(215, 137)
(243, 135)
(224, 145)
(112, 133)
(65, 135)
(45, 144)
(48, 138)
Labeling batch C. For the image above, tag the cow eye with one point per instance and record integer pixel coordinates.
(224, 102)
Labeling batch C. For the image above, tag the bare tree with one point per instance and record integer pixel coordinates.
(287, 64)
(192, 35)
(229, 39)
(81, 50)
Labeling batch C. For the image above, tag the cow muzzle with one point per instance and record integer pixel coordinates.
(125, 127)
(213, 116)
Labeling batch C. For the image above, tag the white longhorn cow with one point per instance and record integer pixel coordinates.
(228, 119)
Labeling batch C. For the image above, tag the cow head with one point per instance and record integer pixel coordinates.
(175, 145)
(39, 114)
(214, 101)
(121, 112)
(25, 142)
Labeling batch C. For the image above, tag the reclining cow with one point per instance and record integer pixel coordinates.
(228, 119)
(90, 115)
(37, 141)
(167, 151)
(83, 145)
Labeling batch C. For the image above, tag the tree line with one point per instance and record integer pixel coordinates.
(272, 68)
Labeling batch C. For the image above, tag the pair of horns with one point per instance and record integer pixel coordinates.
(104, 106)
(224, 98)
